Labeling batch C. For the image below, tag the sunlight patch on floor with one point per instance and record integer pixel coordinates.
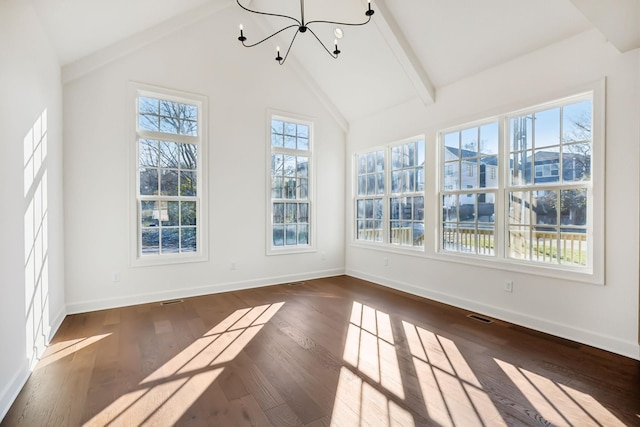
(358, 403)
(165, 395)
(452, 394)
(63, 349)
(369, 347)
(558, 403)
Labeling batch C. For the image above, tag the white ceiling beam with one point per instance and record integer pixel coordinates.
(403, 52)
(618, 20)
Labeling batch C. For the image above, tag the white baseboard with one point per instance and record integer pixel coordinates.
(10, 392)
(56, 322)
(94, 305)
(625, 348)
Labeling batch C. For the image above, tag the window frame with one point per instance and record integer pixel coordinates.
(594, 272)
(311, 189)
(467, 166)
(387, 195)
(137, 90)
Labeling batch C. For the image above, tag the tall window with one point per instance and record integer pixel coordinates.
(469, 184)
(169, 133)
(370, 196)
(530, 197)
(291, 177)
(548, 209)
(390, 194)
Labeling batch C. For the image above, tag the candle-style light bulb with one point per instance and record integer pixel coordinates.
(242, 38)
(369, 11)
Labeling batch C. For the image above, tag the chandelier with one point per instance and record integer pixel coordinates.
(302, 26)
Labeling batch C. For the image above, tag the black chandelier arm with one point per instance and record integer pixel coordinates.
(352, 24)
(268, 37)
(301, 27)
(269, 14)
(281, 62)
(332, 54)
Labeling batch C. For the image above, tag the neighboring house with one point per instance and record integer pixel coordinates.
(575, 166)
(470, 167)
(466, 170)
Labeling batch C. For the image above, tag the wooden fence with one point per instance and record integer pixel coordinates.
(544, 245)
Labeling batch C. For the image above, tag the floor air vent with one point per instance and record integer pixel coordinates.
(175, 301)
(295, 283)
(479, 318)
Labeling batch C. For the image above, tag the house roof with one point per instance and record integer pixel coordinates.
(411, 49)
(488, 160)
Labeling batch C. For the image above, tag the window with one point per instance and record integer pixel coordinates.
(541, 212)
(290, 183)
(548, 212)
(169, 151)
(391, 213)
(547, 170)
(370, 196)
(468, 201)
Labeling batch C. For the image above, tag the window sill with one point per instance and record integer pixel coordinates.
(158, 260)
(291, 250)
(581, 275)
(387, 247)
(574, 274)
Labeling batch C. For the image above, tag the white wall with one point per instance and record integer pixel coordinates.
(242, 84)
(31, 258)
(603, 316)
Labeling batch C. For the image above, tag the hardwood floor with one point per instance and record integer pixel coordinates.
(336, 351)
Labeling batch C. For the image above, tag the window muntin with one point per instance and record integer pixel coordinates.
(168, 199)
(468, 199)
(546, 197)
(162, 115)
(290, 177)
(370, 179)
(389, 202)
(406, 206)
(548, 210)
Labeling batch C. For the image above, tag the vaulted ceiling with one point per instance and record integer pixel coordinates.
(410, 49)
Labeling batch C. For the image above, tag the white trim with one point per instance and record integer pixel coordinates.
(151, 297)
(594, 274)
(625, 348)
(10, 392)
(273, 114)
(135, 90)
(394, 36)
(386, 197)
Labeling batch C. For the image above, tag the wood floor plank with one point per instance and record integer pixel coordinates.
(256, 383)
(336, 351)
(283, 416)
